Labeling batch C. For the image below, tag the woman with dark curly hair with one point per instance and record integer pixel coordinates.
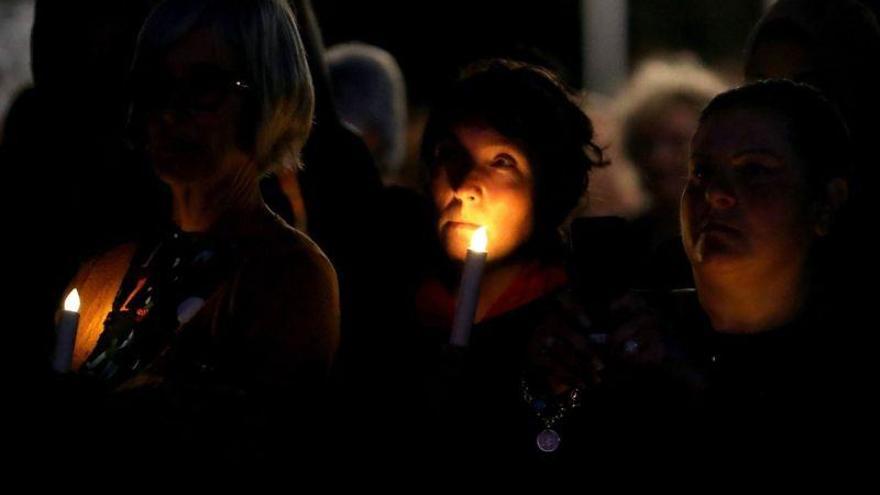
(509, 150)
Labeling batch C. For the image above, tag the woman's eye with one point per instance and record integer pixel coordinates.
(444, 153)
(755, 171)
(698, 172)
(504, 161)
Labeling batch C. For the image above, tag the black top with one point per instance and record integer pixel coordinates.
(792, 390)
(492, 405)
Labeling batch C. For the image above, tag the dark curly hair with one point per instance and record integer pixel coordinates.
(533, 108)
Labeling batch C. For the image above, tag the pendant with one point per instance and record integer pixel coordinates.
(548, 440)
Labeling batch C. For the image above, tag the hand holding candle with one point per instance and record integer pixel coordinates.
(469, 289)
(65, 336)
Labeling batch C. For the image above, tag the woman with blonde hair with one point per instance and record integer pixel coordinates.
(212, 332)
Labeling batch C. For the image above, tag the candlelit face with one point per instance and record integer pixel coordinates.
(746, 205)
(193, 112)
(482, 178)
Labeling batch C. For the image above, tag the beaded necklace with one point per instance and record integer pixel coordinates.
(550, 414)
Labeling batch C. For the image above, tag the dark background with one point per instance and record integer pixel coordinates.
(432, 39)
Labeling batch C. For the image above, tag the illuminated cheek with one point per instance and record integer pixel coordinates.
(513, 224)
(526, 224)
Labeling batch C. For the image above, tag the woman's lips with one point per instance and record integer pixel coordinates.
(718, 227)
(462, 228)
(456, 224)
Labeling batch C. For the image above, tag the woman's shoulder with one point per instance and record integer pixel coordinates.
(97, 282)
(285, 297)
(286, 263)
(281, 245)
(108, 265)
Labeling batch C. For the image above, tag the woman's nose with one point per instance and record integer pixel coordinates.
(466, 183)
(720, 192)
(468, 190)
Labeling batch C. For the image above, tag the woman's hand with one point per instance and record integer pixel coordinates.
(561, 351)
(637, 336)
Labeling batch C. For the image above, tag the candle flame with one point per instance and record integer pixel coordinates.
(479, 241)
(72, 302)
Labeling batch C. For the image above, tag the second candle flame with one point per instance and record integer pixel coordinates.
(71, 303)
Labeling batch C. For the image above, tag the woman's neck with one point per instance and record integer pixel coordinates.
(199, 207)
(748, 303)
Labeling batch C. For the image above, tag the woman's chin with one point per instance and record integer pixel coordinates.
(177, 170)
(456, 237)
(455, 249)
(719, 259)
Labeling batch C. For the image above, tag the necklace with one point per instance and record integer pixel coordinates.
(549, 415)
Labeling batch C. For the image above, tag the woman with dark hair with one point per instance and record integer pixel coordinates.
(509, 150)
(833, 45)
(210, 335)
(768, 181)
(538, 149)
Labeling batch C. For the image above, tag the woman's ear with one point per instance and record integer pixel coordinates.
(836, 194)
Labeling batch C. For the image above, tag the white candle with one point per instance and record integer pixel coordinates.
(65, 335)
(469, 289)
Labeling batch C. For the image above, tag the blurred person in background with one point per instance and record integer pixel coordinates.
(657, 113)
(370, 95)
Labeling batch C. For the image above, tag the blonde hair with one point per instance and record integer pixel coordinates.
(264, 37)
(658, 82)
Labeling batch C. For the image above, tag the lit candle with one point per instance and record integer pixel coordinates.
(65, 336)
(469, 289)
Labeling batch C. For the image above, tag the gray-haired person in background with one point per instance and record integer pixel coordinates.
(658, 111)
(370, 95)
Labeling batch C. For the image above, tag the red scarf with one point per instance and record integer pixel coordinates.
(436, 303)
